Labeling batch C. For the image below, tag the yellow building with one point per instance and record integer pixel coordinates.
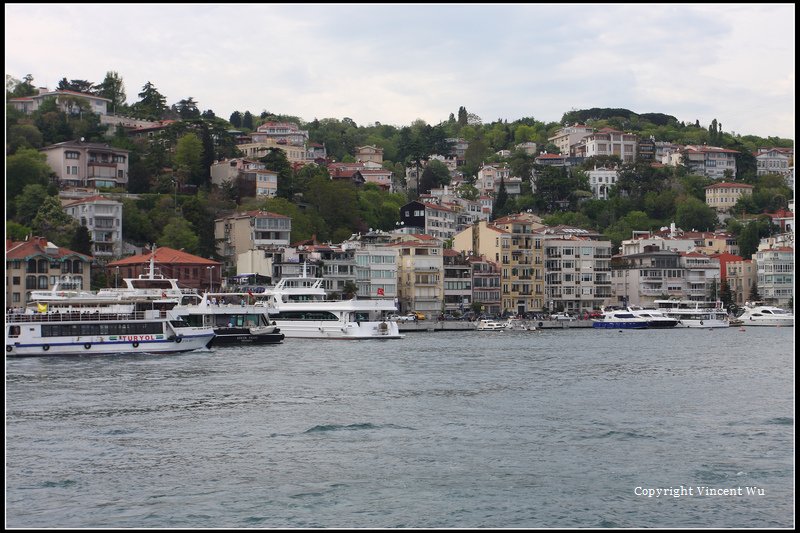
(723, 196)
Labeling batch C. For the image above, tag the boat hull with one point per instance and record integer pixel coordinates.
(231, 336)
(619, 325)
(337, 330)
(80, 346)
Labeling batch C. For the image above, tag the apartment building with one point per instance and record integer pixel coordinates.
(420, 274)
(103, 218)
(723, 196)
(250, 230)
(84, 164)
(577, 266)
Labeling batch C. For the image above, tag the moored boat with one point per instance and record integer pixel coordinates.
(234, 317)
(757, 314)
(619, 319)
(492, 325)
(655, 318)
(694, 313)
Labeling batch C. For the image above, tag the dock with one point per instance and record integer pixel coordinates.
(464, 325)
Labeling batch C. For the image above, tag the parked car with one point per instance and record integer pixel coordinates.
(416, 315)
(401, 318)
(561, 316)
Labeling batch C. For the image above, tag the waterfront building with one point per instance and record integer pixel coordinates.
(36, 264)
(457, 282)
(420, 274)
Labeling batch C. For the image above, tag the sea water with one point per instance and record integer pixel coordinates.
(510, 429)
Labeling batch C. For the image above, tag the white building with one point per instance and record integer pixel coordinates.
(103, 218)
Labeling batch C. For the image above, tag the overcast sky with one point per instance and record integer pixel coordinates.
(397, 63)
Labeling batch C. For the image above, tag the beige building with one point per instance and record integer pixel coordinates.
(741, 277)
(66, 100)
(420, 275)
(577, 267)
(608, 142)
(369, 153)
(83, 164)
(568, 136)
(250, 230)
(36, 264)
(723, 196)
(709, 161)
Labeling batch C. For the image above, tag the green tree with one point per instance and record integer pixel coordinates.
(178, 234)
(16, 231)
(500, 206)
(151, 104)
(18, 89)
(436, 174)
(349, 290)
(53, 223)
(247, 121)
(187, 108)
(23, 136)
(26, 167)
(81, 241)
(189, 158)
(236, 119)
(692, 213)
(113, 88)
(275, 160)
(28, 203)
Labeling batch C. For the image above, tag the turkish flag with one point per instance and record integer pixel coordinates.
(380, 291)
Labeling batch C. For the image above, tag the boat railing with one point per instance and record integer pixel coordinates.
(78, 316)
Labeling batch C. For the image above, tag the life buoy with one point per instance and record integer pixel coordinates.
(178, 340)
(87, 345)
(540, 324)
(701, 322)
(135, 344)
(46, 347)
(9, 347)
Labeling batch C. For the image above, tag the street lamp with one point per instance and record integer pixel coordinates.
(116, 283)
(210, 278)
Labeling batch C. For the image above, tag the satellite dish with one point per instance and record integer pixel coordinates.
(81, 139)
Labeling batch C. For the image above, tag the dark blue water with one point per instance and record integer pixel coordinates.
(560, 428)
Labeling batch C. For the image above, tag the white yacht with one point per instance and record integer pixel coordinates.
(765, 315)
(492, 325)
(654, 317)
(303, 311)
(619, 319)
(694, 313)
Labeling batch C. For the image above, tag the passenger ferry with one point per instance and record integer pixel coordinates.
(59, 323)
(303, 311)
(694, 313)
(655, 318)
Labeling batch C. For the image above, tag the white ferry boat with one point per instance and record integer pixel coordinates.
(694, 313)
(91, 325)
(303, 311)
(765, 315)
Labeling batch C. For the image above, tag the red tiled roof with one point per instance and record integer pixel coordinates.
(165, 255)
(36, 246)
(724, 185)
